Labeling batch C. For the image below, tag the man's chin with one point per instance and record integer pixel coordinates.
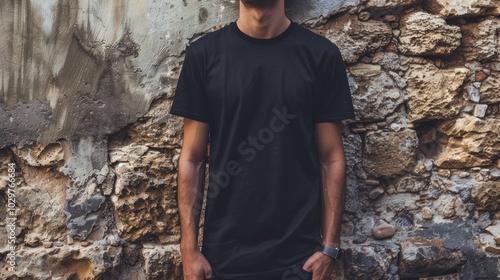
(259, 3)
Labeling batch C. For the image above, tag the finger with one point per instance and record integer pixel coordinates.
(306, 265)
(208, 274)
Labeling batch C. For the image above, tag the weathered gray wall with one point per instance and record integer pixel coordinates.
(85, 88)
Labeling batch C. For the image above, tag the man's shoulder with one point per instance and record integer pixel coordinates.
(209, 39)
(315, 40)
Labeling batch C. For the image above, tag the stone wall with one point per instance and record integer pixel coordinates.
(85, 87)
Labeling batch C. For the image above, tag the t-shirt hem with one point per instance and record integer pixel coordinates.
(338, 117)
(275, 274)
(188, 115)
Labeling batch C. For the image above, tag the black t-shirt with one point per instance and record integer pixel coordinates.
(262, 98)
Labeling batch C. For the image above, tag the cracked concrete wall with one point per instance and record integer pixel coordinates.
(85, 88)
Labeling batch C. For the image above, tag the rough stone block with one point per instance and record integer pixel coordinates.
(355, 37)
(490, 89)
(422, 258)
(426, 34)
(468, 138)
(486, 195)
(374, 93)
(162, 262)
(144, 196)
(375, 260)
(456, 8)
(480, 40)
(432, 92)
(390, 153)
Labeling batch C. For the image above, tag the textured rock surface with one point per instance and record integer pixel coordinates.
(389, 4)
(71, 262)
(486, 195)
(426, 34)
(162, 262)
(85, 89)
(481, 40)
(374, 92)
(411, 184)
(495, 231)
(454, 8)
(468, 138)
(432, 93)
(376, 260)
(489, 91)
(355, 37)
(143, 198)
(421, 258)
(390, 153)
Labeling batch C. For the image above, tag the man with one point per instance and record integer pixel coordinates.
(269, 96)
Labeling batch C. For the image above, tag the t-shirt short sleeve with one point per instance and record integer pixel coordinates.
(334, 101)
(190, 100)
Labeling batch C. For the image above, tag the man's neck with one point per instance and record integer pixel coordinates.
(263, 23)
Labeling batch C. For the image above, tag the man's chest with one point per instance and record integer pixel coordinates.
(279, 77)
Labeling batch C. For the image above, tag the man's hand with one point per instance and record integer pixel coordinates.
(195, 266)
(320, 265)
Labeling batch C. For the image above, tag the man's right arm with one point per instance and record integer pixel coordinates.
(190, 193)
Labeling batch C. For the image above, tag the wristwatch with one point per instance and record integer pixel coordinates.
(334, 253)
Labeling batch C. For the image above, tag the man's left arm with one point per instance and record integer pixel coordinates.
(333, 178)
(333, 169)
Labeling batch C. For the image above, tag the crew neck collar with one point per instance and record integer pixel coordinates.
(275, 39)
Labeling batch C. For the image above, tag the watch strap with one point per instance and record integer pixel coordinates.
(334, 253)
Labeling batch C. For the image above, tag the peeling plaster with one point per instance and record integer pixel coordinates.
(83, 69)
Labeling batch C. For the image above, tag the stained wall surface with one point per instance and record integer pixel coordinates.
(85, 89)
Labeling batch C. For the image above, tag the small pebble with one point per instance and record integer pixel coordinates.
(395, 127)
(420, 169)
(35, 242)
(375, 193)
(495, 173)
(371, 182)
(479, 177)
(480, 76)
(444, 173)
(427, 213)
(359, 130)
(360, 239)
(495, 231)
(392, 48)
(464, 174)
(480, 110)
(383, 230)
(112, 240)
(371, 127)
(391, 18)
(484, 220)
(428, 165)
(364, 16)
(47, 244)
(491, 249)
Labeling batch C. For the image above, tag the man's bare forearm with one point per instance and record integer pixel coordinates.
(333, 202)
(190, 199)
